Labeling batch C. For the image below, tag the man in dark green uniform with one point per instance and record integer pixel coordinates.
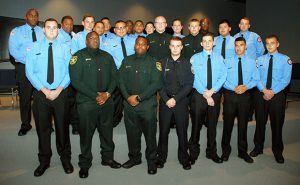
(159, 40)
(192, 41)
(93, 74)
(140, 79)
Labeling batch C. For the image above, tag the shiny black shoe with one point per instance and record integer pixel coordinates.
(40, 170)
(224, 158)
(130, 163)
(23, 131)
(186, 166)
(111, 163)
(192, 161)
(160, 164)
(246, 158)
(255, 153)
(68, 167)
(279, 159)
(83, 173)
(152, 169)
(215, 158)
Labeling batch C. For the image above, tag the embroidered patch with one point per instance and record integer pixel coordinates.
(290, 61)
(259, 39)
(158, 66)
(73, 60)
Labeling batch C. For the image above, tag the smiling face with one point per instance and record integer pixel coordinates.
(240, 47)
(272, 45)
(120, 29)
(67, 25)
(149, 28)
(160, 24)
(99, 28)
(88, 24)
(244, 25)
(224, 29)
(177, 27)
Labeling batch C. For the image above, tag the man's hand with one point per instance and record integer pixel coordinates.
(240, 89)
(102, 98)
(268, 94)
(208, 93)
(55, 93)
(210, 102)
(171, 103)
(132, 100)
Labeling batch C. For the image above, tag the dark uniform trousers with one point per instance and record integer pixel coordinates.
(199, 110)
(118, 104)
(141, 120)
(181, 115)
(94, 116)
(25, 93)
(73, 117)
(235, 105)
(276, 109)
(43, 109)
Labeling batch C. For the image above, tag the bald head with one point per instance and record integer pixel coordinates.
(160, 24)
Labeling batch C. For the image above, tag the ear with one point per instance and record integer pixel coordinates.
(82, 22)
(44, 30)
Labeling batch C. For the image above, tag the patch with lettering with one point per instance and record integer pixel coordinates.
(73, 60)
(158, 66)
(289, 61)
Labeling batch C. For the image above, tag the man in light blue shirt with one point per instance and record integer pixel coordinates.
(242, 75)
(138, 29)
(224, 43)
(47, 68)
(119, 47)
(209, 76)
(78, 41)
(255, 46)
(19, 40)
(275, 74)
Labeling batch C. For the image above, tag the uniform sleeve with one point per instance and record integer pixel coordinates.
(155, 82)
(31, 66)
(76, 73)
(228, 84)
(260, 85)
(187, 82)
(260, 49)
(285, 77)
(74, 45)
(121, 80)
(222, 75)
(114, 75)
(254, 77)
(66, 81)
(14, 45)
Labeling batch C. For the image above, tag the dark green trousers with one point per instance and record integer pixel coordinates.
(94, 116)
(141, 120)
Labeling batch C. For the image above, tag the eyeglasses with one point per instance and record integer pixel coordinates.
(121, 28)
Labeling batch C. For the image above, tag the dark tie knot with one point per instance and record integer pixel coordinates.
(122, 39)
(224, 38)
(50, 43)
(271, 56)
(208, 56)
(32, 29)
(240, 59)
(105, 34)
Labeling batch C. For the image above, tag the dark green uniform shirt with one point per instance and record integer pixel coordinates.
(86, 66)
(140, 76)
(192, 45)
(159, 45)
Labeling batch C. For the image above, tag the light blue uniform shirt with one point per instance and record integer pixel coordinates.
(20, 39)
(229, 46)
(37, 64)
(281, 71)
(255, 46)
(136, 35)
(249, 72)
(114, 48)
(78, 41)
(199, 66)
(64, 37)
(180, 36)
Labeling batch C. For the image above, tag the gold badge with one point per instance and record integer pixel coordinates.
(158, 66)
(73, 60)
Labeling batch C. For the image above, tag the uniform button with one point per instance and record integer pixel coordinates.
(136, 71)
(99, 69)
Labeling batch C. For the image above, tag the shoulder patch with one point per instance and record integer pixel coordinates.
(158, 66)
(258, 39)
(73, 60)
(289, 61)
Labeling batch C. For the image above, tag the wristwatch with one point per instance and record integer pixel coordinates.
(138, 98)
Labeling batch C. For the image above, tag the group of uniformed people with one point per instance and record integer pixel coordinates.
(110, 72)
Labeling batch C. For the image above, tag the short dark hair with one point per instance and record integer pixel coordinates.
(150, 22)
(246, 18)
(176, 20)
(273, 36)
(87, 15)
(210, 34)
(194, 20)
(87, 36)
(120, 21)
(139, 21)
(142, 38)
(32, 9)
(66, 17)
(225, 21)
(105, 18)
(176, 38)
(240, 39)
(98, 22)
(50, 19)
